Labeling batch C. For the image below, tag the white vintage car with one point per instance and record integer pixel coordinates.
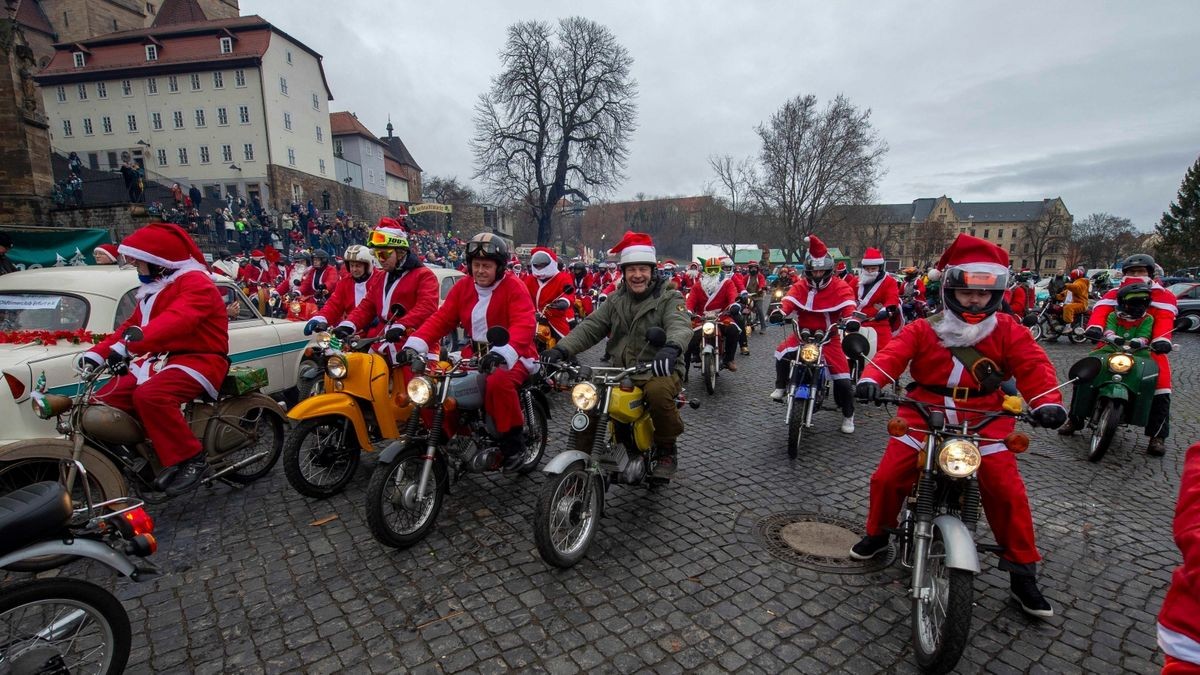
(98, 299)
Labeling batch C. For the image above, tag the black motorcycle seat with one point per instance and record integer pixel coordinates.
(31, 513)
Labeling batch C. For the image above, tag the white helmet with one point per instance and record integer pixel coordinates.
(359, 253)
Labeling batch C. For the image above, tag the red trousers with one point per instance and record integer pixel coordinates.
(156, 404)
(1174, 666)
(500, 398)
(1000, 489)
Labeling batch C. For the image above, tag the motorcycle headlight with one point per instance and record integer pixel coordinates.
(335, 367)
(809, 353)
(1120, 363)
(420, 390)
(709, 328)
(959, 458)
(584, 396)
(778, 293)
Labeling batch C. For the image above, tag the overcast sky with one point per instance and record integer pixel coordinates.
(1096, 102)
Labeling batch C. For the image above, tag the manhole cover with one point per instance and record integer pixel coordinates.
(816, 541)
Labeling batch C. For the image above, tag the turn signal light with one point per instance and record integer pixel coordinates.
(142, 545)
(1017, 442)
(15, 384)
(897, 427)
(140, 521)
(450, 405)
(402, 398)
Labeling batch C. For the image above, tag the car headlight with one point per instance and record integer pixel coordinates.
(709, 328)
(584, 396)
(809, 353)
(959, 458)
(1120, 363)
(420, 390)
(336, 368)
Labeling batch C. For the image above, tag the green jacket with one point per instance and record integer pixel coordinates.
(625, 321)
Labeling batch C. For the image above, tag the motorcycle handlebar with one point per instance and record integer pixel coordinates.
(924, 409)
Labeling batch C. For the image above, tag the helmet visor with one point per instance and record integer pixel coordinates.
(381, 239)
(957, 277)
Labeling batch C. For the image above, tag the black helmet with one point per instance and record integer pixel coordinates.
(958, 278)
(224, 255)
(1133, 300)
(1140, 260)
(488, 246)
(305, 257)
(321, 255)
(579, 267)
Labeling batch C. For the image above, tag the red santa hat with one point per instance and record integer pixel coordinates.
(256, 253)
(401, 212)
(872, 256)
(818, 254)
(972, 254)
(634, 248)
(534, 258)
(109, 250)
(166, 245)
(841, 266)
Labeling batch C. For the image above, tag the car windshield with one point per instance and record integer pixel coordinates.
(29, 310)
(1181, 288)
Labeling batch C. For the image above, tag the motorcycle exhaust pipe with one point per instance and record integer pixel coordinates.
(207, 482)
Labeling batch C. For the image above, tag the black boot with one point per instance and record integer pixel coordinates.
(187, 476)
(512, 448)
(869, 547)
(666, 465)
(1026, 592)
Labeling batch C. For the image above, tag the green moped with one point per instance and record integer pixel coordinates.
(1115, 385)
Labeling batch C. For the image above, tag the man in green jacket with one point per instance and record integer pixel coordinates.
(642, 302)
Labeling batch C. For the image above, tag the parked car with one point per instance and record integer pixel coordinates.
(1187, 294)
(98, 299)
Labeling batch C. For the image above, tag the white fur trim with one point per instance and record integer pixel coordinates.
(139, 254)
(479, 322)
(638, 254)
(120, 349)
(1165, 306)
(417, 344)
(872, 261)
(1162, 391)
(93, 357)
(509, 354)
(208, 387)
(1178, 645)
(152, 288)
(347, 324)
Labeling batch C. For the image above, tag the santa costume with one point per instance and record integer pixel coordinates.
(548, 283)
(184, 348)
(1179, 618)
(349, 293)
(320, 280)
(105, 254)
(877, 291)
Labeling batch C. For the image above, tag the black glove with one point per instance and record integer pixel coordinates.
(315, 326)
(394, 334)
(118, 363)
(852, 326)
(409, 356)
(560, 303)
(664, 361)
(883, 315)
(1161, 346)
(343, 332)
(776, 317)
(1137, 343)
(553, 355)
(1050, 416)
(866, 391)
(492, 361)
(1094, 332)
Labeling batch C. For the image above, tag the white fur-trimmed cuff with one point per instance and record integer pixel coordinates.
(347, 324)
(509, 354)
(417, 344)
(93, 357)
(119, 348)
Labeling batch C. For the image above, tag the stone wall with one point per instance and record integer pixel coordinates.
(361, 204)
(25, 179)
(120, 220)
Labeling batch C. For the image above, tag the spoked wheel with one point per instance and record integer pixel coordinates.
(1077, 338)
(709, 370)
(535, 441)
(1049, 332)
(1036, 331)
(1107, 420)
(941, 618)
(60, 626)
(795, 428)
(565, 519)
(263, 443)
(393, 512)
(321, 456)
(310, 386)
(25, 472)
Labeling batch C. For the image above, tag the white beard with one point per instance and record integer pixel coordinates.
(954, 332)
(709, 283)
(867, 278)
(546, 272)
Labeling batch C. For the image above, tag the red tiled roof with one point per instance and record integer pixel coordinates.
(30, 15)
(178, 11)
(391, 167)
(346, 124)
(399, 151)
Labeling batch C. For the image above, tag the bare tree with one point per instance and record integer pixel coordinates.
(1099, 239)
(812, 160)
(733, 190)
(556, 121)
(447, 190)
(1050, 234)
(854, 228)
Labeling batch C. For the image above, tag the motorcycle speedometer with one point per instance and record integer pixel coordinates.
(584, 396)
(809, 353)
(1120, 363)
(420, 390)
(336, 367)
(959, 458)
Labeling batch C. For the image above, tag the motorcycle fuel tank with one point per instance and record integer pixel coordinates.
(625, 406)
(468, 391)
(110, 425)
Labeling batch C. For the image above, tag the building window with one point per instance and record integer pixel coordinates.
(987, 233)
(162, 157)
(204, 154)
(1000, 234)
(1050, 264)
(321, 165)
(183, 156)
(87, 126)
(173, 84)
(62, 94)
(370, 175)
(226, 153)
(239, 78)
(106, 124)
(67, 128)
(226, 45)
(287, 121)
(316, 102)
(156, 121)
(149, 8)
(178, 117)
(82, 88)
(151, 52)
(132, 121)
(283, 86)
(199, 117)
(291, 157)
(126, 88)
(80, 61)
(195, 81)
(320, 134)
(248, 152)
(218, 80)
(244, 114)
(337, 147)
(289, 57)
(101, 90)
(222, 117)
(152, 85)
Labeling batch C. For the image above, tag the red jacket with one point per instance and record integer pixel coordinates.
(872, 298)
(184, 318)
(345, 297)
(583, 283)
(1010, 345)
(328, 280)
(415, 288)
(1021, 298)
(852, 281)
(560, 285)
(1179, 619)
(698, 301)
(762, 283)
(506, 303)
(819, 308)
(915, 287)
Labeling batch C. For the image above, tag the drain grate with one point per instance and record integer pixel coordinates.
(816, 541)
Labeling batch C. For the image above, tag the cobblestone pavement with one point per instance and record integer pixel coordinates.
(675, 581)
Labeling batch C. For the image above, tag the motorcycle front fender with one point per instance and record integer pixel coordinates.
(1113, 390)
(101, 469)
(334, 404)
(80, 547)
(960, 545)
(565, 459)
(709, 348)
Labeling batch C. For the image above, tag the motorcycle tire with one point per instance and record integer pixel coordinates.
(342, 459)
(942, 655)
(1108, 420)
(390, 484)
(536, 437)
(709, 370)
(1076, 338)
(1049, 332)
(569, 500)
(308, 386)
(1036, 331)
(257, 416)
(795, 429)
(68, 595)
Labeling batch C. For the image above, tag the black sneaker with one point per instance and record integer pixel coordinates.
(665, 467)
(187, 477)
(869, 547)
(1025, 591)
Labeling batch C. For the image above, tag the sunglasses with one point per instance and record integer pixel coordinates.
(384, 253)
